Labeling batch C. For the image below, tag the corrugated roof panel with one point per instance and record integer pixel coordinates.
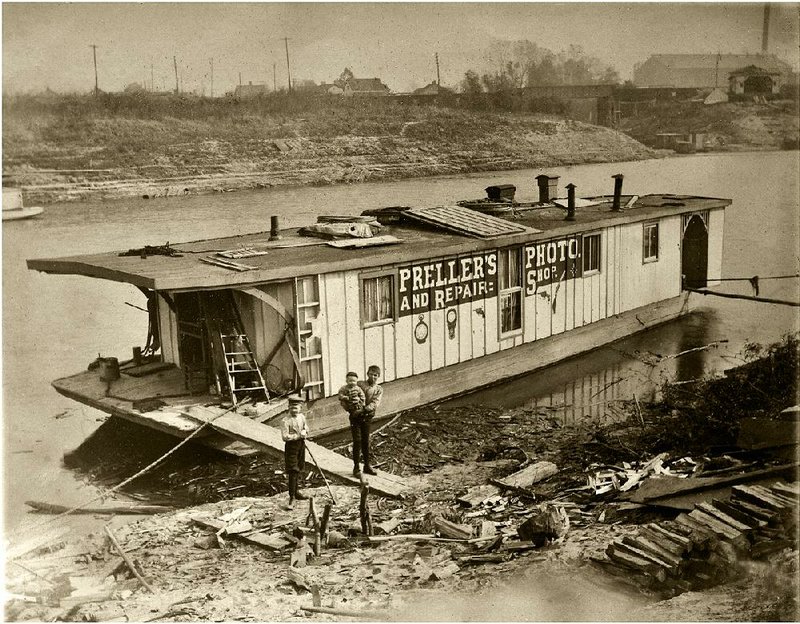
(465, 221)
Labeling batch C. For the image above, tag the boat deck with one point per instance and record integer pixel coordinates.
(182, 414)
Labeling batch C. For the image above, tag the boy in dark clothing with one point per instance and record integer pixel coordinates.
(353, 400)
(294, 431)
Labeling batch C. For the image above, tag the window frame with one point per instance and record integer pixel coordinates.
(363, 277)
(592, 235)
(645, 242)
(510, 291)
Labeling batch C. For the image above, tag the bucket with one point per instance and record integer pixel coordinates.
(109, 369)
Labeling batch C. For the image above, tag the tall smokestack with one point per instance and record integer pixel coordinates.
(765, 31)
(616, 205)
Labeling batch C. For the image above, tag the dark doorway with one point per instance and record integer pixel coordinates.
(757, 85)
(694, 253)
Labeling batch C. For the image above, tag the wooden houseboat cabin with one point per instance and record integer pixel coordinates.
(444, 300)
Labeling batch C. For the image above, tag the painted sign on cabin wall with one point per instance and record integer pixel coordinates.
(551, 261)
(442, 283)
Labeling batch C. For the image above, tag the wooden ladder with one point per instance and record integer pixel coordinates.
(241, 368)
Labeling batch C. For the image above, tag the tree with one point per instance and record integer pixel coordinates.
(471, 84)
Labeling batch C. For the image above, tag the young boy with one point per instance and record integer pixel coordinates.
(352, 398)
(373, 393)
(294, 431)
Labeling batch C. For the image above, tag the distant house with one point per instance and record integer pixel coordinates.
(330, 88)
(752, 80)
(700, 71)
(250, 90)
(363, 87)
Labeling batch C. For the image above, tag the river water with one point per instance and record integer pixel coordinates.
(55, 325)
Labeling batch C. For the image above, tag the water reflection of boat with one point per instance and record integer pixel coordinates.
(13, 207)
(457, 301)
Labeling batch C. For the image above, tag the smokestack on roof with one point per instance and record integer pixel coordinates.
(765, 31)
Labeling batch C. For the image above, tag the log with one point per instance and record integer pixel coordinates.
(789, 502)
(700, 534)
(127, 560)
(768, 547)
(642, 543)
(621, 546)
(675, 549)
(526, 477)
(745, 518)
(326, 516)
(50, 508)
(719, 528)
(786, 489)
(720, 515)
(675, 538)
(367, 615)
(317, 541)
(751, 510)
(451, 529)
(637, 563)
(759, 499)
(484, 558)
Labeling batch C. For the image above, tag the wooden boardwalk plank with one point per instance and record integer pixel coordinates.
(268, 439)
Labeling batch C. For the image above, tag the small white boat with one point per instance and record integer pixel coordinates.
(13, 207)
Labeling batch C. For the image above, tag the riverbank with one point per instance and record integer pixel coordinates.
(72, 148)
(196, 577)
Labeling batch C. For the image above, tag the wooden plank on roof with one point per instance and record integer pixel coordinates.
(465, 221)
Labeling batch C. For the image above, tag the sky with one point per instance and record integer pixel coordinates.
(47, 45)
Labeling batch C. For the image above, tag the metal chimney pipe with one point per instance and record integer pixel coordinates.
(570, 202)
(616, 206)
(274, 228)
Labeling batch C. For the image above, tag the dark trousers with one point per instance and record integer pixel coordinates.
(359, 428)
(294, 456)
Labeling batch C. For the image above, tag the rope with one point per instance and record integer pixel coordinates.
(795, 304)
(143, 470)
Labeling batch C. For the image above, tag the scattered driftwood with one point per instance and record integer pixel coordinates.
(526, 477)
(366, 615)
(451, 529)
(704, 547)
(51, 508)
(127, 560)
(270, 542)
(549, 523)
(474, 496)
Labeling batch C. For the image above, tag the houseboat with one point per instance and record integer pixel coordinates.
(444, 299)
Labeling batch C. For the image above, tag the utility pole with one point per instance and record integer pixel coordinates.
(152, 78)
(765, 31)
(175, 65)
(274, 79)
(716, 71)
(211, 60)
(240, 79)
(94, 55)
(438, 81)
(288, 70)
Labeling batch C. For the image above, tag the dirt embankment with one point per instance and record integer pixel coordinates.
(731, 126)
(116, 147)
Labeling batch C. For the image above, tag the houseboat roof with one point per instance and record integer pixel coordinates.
(296, 256)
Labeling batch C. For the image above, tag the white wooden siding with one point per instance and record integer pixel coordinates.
(624, 282)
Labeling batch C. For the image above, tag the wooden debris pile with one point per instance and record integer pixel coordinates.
(707, 546)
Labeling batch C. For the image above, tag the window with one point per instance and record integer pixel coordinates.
(510, 298)
(650, 243)
(591, 253)
(377, 299)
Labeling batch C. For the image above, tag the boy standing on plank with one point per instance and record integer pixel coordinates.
(373, 394)
(294, 431)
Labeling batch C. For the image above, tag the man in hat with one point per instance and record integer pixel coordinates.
(294, 431)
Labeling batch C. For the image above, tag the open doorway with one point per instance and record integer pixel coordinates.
(694, 252)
